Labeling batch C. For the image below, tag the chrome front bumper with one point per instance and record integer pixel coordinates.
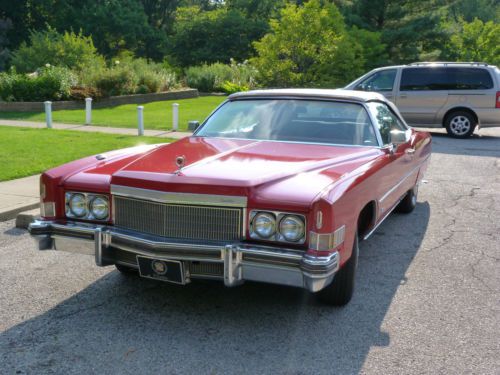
(238, 261)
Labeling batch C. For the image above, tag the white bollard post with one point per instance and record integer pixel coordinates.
(48, 114)
(140, 119)
(175, 117)
(88, 111)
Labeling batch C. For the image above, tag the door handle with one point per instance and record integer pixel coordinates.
(402, 96)
(410, 151)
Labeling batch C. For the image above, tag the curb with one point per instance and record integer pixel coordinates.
(24, 219)
(11, 214)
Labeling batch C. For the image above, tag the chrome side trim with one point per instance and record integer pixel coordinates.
(400, 182)
(373, 122)
(180, 198)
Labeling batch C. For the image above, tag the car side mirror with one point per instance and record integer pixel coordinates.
(193, 125)
(399, 137)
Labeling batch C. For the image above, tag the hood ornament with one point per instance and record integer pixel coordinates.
(180, 161)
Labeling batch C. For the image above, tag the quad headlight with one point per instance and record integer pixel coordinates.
(99, 207)
(78, 205)
(264, 224)
(277, 226)
(292, 228)
(87, 206)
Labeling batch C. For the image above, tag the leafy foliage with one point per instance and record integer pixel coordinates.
(230, 88)
(410, 30)
(213, 36)
(5, 26)
(374, 51)
(308, 46)
(287, 41)
(128, 75)
(220, 77)
(70, 50)
(476, 41)
(50, 83)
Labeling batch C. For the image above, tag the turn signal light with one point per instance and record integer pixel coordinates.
(47, 209)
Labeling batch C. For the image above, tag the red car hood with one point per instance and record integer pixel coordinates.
(267, 172)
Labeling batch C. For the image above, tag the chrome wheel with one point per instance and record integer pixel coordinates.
(460, 125)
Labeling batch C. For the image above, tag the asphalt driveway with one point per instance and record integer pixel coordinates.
(427, 299)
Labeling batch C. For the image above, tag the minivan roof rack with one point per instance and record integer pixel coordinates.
(450, 62)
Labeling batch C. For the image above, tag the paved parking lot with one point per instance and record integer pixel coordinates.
(427, 299)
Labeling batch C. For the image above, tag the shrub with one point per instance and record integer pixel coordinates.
(130, 76)
(82, 92)
(74, 51)
(230, 87)
(117, 81)
(51, 83)
(209, 78)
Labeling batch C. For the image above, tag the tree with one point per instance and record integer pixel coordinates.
(485, 10)
(115, 25)
(25, 15)
(308, 46)
(5, 26)
(411, 30)
(374, 51)
(475, 41)
(257, 9)
(211, 36)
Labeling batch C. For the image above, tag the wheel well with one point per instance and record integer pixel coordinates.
(456, 109)
(366, 219)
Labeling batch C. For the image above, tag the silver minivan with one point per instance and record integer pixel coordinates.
(457, 96)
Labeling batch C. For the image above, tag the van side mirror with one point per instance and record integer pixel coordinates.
(399, 137)
(193, 125)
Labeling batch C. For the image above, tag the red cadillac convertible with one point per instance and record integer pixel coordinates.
(276, 186)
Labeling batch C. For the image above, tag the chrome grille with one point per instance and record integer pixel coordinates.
(178, 221)
(206, 269)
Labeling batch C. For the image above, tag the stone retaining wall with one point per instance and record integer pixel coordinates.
(106, 102)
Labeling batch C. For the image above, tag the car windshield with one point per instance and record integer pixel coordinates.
(307, 121)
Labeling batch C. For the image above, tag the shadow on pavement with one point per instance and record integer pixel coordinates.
(476, 145)
(124, 324)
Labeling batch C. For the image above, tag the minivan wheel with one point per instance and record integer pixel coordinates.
(460, 124)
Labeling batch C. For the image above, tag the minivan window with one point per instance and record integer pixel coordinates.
(380, 81)
(470, 79)
(445, 78)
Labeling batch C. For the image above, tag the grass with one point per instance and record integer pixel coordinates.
(25, 152)
(157, 115)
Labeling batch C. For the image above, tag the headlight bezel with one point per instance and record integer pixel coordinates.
(277, 236)
(88, 199)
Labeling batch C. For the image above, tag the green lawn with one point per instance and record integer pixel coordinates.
(157, 115)
(25, 152)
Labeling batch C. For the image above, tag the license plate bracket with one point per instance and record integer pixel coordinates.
(168, 270)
